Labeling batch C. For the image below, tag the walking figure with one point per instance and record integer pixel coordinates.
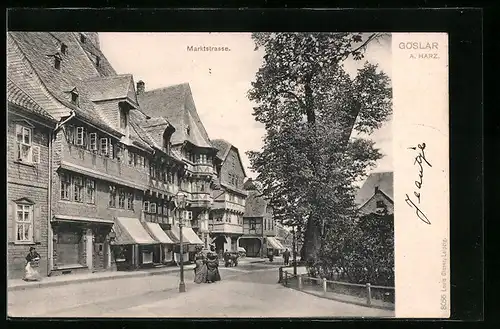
(286, 257)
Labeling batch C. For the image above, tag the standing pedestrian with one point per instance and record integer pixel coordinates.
(286, 257)
(32, 264)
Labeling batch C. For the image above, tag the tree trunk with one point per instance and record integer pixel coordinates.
(312, 241)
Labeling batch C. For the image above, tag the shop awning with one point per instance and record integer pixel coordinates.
(282, 247)
(157, 232)
(82, 219)
(188, 235)
(272, 243)
(191, 236)
(130, 231)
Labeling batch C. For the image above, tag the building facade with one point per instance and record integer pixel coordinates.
(29, 131)
(226, 216)
(97, 188)
(376, 194)
(190, 142)
(259, 229)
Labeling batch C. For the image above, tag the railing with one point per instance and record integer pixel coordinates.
(200, 168)
(228, 205)
(226, 228)
(365, 294)
(102, 164)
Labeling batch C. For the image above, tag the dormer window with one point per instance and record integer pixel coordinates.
(97, 61)
(57, 62)
(74, 97)
(64, 49)
(123, 117)
(82, 38)
(188, 130)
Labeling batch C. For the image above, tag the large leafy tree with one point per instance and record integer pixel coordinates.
(310, 106)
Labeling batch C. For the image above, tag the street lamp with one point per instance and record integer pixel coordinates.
(181, 205)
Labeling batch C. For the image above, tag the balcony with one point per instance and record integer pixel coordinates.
(200, 169)
(227, 205)
(226, 228)
(88, 163)
(201, 200)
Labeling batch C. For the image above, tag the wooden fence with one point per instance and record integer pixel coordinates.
(373, 295)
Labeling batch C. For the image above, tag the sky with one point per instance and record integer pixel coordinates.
(219, 80)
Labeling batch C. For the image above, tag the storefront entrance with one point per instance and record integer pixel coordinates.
(69, 245)
(251, 245)
(100, 251)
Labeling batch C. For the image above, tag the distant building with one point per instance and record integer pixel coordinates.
(376, 194)
(259, 229)
(226, 216)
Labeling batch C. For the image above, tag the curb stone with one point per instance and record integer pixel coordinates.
(43, 284)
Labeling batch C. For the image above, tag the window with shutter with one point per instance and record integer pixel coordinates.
(24, 143)
(93, 141)
(80, 136)
(104, 146)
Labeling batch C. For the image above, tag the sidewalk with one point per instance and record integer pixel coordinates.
(19, 284)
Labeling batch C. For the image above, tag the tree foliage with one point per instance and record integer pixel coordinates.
(364, 254)
(310, 106)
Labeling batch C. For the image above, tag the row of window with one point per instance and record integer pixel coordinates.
(234, 180)
(106, 146)
(227, 218)
(268, 225)
(124, 195)
(198, 158)
(77, 188)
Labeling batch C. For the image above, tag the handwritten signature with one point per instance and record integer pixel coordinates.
(420, 160)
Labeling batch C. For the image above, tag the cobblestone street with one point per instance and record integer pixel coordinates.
(245, 291)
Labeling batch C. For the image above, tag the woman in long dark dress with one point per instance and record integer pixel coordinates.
(31, 269)
(213, 268)
(200, 271)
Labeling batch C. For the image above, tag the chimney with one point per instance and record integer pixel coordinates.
(376, 189)
(140, 87)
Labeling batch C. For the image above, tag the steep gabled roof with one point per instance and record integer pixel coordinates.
(175, 103)
(255, 204)
(383, 180)
(16, 95)
(150, 130)
(40, 49)
(92, 51)
(223, 147)
(111, 87)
